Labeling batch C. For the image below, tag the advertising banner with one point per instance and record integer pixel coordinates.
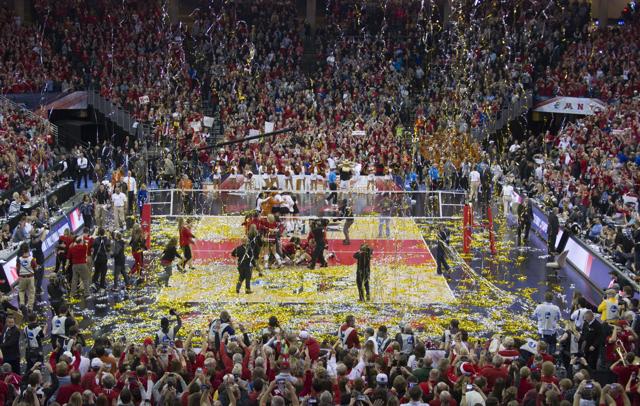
(571, 105)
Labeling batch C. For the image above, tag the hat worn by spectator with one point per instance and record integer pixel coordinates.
(382, 379)
(96, 363)
(303, 335)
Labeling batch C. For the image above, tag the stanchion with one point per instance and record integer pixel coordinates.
(466, 229)
(492, 236)
(145, 223)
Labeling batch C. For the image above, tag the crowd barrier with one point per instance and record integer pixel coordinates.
(438, 204)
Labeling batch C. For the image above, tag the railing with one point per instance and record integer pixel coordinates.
(113, 112)
(52, 127)
(514, 110)
(435, 204)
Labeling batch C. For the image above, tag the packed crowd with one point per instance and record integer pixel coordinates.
(579, 361)
(589, 168)
(26, 149)
(592, 68)
(261, 57)
(28, 64)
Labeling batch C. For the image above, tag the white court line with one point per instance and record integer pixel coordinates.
(434, 259)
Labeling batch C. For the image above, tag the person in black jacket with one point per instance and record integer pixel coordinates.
(525, 216)
(38, 235)
(100, 254)
(441, 253)
(552, 230)
(169, 254)
(10, 344)
(591, 339)
(119, 260)
(363, 271)
(245, 263)
(34, 333)
(347, 214)
(318, 229)
(57, 292)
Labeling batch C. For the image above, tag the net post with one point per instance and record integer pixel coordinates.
(466, 229)
(492, 236)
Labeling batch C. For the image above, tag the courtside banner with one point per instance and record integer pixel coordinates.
(571, 105)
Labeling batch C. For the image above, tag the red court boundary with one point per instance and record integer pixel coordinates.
(411, 252)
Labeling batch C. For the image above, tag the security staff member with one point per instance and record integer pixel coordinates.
(166, 335)
(60, 324)
(363, 270)
(82, 168)
(34, 334)
(406, 339)
(525, 216)
(441, 252)
(26, 266)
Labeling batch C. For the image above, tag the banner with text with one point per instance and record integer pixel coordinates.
(571, 105)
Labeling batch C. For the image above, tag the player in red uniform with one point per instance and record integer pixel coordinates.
(186, 240)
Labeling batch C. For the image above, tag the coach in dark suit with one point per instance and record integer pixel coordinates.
(552, 230)
(591, 339)
(10, 344)
(525, 217)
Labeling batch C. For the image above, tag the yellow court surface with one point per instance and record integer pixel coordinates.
(403, 270)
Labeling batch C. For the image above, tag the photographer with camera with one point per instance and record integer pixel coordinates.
(346, 214)
(318, 231)
(441, 249)
(168, 334)
(363, 271)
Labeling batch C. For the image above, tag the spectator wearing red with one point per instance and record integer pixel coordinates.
(310, 344)
(88, 381)
(509, 353)
(548, 373)
(107, 388)
(624, 368)
(65, 391)
(186, 240)
(348, 334)
(494, 371)
(77, 255)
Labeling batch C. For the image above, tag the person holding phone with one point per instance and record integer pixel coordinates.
(472, 396)
(278, 393)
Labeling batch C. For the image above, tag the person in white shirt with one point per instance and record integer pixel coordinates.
(507, 197)
(82, 164)
(119, 200)
(415, 394)
(331, 162)
(356, 172)
(578, 315)
(473, 396)
(370, 335)
(548, 316)
(130, 181)
(474, 184)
